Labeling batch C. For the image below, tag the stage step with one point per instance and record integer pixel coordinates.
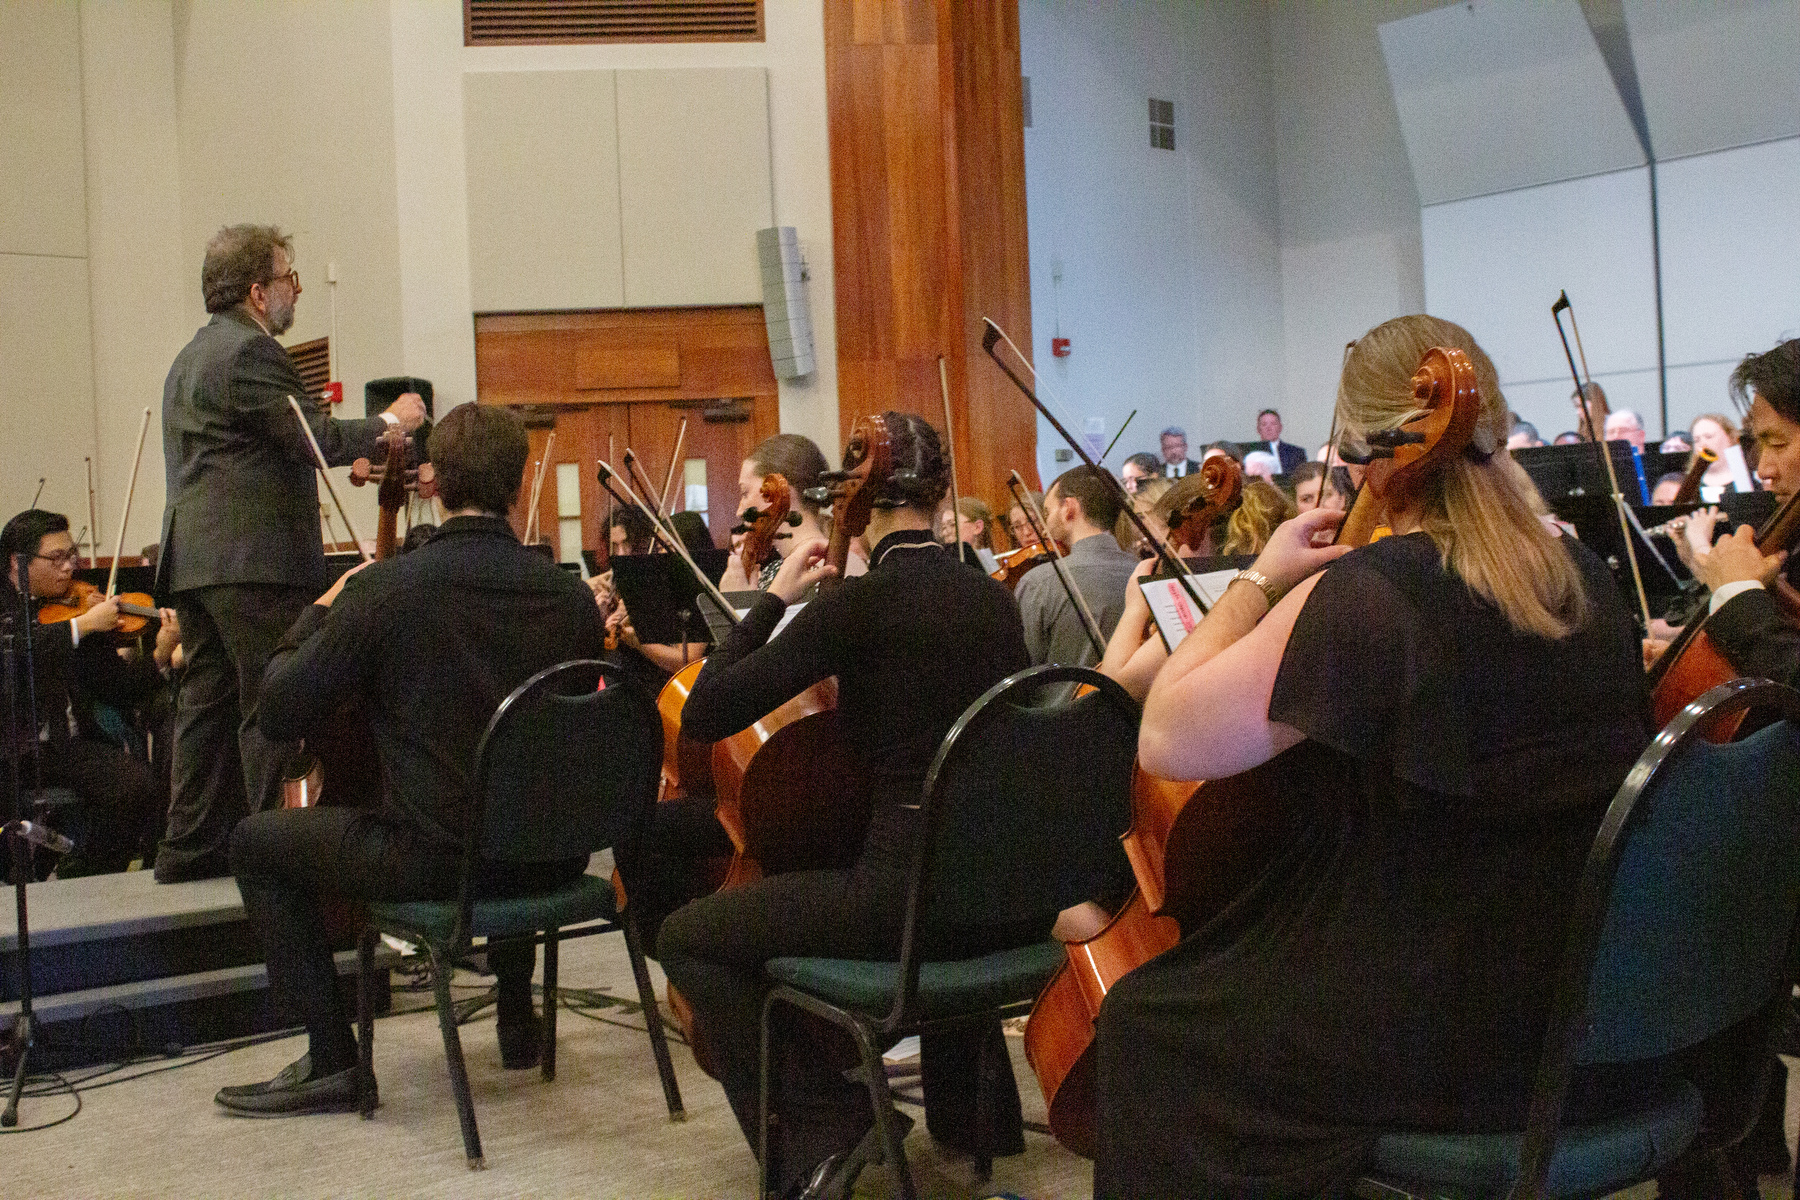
(123, 965)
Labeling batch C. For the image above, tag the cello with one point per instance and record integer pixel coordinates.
(1195, 846)
(341, 750)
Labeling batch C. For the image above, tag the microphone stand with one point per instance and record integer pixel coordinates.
(24, 1029)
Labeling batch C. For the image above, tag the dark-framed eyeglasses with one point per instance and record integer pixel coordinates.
(292, 276)
(60, 557)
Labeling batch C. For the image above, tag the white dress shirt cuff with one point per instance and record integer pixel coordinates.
(390, 418)
(1721, 597)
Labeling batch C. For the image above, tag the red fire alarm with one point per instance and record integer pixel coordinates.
(333, 393)
(1059, 347)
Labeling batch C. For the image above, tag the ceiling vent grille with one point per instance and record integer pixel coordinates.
(515, 22)
(313, 361)
(1162, 124)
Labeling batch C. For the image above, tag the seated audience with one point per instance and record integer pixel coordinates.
(1262, 464)
(1176, 463)
(1268, 431)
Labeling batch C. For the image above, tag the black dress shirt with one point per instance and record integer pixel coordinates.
(431, 642)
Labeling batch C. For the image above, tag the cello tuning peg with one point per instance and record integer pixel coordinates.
(1388, 439)
(793, 519)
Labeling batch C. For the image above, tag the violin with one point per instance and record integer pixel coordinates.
(1193, 847)
(1693, 664)
(136, 609)
(1014, 563)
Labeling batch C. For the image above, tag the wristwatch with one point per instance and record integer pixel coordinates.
(1263, 584)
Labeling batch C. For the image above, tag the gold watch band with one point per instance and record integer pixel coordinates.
(1263, 583)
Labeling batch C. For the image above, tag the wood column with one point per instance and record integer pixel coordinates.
(928, 220)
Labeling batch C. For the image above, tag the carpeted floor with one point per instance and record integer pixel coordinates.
(599, 1130)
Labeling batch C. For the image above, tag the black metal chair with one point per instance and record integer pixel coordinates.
(1023, 808)
(568, 766)
(1682, 931)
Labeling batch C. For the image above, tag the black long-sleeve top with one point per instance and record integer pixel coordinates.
(431, 642)
(913, 643)
(1755, 636)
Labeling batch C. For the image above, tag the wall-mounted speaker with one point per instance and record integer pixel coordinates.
(785, 310)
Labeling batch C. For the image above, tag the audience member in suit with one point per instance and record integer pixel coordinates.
(1268, 432)
(241, 553)
(74, 661)
(1176, 463)
(429, 643)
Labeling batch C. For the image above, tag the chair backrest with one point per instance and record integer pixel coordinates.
(1024, 805)
(568, 765)
(1704, 894)
(1684, 919)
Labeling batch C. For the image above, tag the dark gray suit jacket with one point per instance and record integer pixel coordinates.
(242, 503)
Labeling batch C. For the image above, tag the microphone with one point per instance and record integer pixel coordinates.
(41, 835)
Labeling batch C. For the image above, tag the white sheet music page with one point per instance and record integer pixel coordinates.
(1174, 613)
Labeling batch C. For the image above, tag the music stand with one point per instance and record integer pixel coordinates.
(661, 594)
(1576, 470)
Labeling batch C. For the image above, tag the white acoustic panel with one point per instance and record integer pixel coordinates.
(695, 184)
(1716, 73)
(43, 205)
(1495, 264)
(1731, 251)
(47, 386)
(543, 184)
(1500, 94)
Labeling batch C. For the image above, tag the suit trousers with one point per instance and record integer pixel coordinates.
(223, 767)
(287, 861)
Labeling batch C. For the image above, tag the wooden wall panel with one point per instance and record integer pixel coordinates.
(928, 214)
(562, 367)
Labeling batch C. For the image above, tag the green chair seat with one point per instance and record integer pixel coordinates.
(945, 988)
(1590, 1159)
(589, 898)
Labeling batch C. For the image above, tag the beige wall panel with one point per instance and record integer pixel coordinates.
(47, 388)
(315, 155)
(543, 190)
(694, 184)
(42, 210)
(139, 280)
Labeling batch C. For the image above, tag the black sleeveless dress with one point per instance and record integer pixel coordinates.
(1393, 969)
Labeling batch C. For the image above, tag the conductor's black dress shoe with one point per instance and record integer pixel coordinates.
(292, 1093)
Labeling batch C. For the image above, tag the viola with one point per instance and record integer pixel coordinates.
(136, 609)
(1195, 846)
(1693, 664)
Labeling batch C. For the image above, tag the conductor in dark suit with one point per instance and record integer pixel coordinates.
(241, 553)
(1268, 432)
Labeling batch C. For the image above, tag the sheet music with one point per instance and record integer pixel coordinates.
(1174, 613)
